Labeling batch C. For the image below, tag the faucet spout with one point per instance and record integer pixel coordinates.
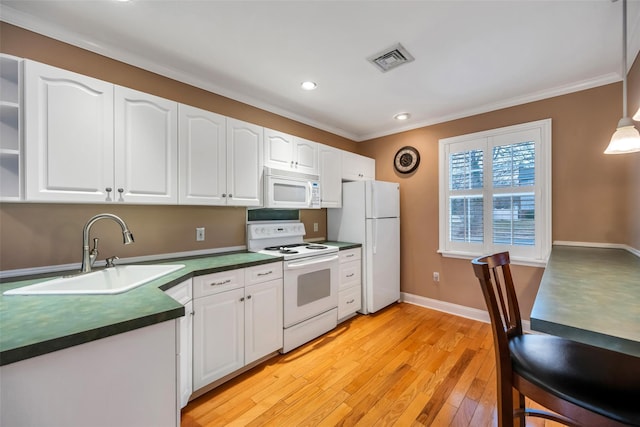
(89, 256)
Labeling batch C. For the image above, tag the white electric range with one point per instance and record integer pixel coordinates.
(310, 277)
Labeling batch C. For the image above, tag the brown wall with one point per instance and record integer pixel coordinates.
(595, 196)
(33, 235)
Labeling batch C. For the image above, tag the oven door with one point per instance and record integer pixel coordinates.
(310, 287)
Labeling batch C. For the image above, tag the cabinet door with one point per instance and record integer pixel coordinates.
(202, 157)
(330, 176)
(278, 150)
(263, 319)
(185, 386)
(357, 168)
(244, 163)
(68, 135)
(146, 148)
(218, 336)
(305, 156)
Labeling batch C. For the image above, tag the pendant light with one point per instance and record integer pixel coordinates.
(626, 138)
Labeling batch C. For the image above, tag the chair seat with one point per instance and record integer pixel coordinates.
(558, 365)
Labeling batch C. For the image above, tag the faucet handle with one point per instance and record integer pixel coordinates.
(110, 261)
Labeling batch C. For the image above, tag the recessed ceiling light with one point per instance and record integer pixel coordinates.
(402, 116)
(309, 85)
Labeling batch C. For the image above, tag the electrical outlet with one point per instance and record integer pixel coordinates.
(199, 234)
(436, 276)
(315, 226)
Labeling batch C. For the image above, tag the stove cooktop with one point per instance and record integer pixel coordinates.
(283, 239)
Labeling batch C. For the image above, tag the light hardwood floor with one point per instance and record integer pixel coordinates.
(403, 366)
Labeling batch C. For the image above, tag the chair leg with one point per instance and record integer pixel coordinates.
(507, 403)
(519, 407)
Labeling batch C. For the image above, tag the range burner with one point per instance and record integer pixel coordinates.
(287, 251)
(316, 247)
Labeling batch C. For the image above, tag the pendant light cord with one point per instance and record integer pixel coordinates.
(624, 58)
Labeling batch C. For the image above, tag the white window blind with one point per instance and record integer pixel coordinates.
(495, 193)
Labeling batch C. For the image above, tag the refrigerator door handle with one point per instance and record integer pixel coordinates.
(375, 237)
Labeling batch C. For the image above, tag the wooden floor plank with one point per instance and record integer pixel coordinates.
(403, 366)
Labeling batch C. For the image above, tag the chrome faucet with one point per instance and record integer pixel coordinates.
(88, 258)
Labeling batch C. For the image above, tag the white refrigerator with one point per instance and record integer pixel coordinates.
(370, 215)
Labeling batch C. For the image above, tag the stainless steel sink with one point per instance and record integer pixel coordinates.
(114, 280)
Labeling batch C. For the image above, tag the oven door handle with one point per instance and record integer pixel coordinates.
(295, 265)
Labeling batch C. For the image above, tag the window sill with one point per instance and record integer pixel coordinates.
(529, 262)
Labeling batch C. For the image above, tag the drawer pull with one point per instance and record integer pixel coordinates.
(350, 255)
(351, 275)
(351, 301)
(266, 274)
(220, 283)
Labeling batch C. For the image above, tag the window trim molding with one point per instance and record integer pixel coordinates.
(543, 176)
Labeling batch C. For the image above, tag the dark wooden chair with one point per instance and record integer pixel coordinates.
(584, 385)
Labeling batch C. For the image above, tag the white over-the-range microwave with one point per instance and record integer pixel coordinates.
(285, 189)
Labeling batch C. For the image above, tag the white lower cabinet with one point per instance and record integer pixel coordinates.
(350, 288)
(183, 294)
(237, 320)
(127, 379)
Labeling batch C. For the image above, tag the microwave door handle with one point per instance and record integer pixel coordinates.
(310, 194)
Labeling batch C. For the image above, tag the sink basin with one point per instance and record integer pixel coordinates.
(114, 280)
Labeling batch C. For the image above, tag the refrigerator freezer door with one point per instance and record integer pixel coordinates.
(382, 199)
(382, 264)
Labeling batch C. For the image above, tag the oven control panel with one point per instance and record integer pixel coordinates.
(268, 231)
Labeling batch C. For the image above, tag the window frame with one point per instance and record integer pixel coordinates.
(540, 132)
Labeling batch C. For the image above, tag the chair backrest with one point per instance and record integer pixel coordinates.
(496, 282)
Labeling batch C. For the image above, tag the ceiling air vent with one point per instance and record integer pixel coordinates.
(391, 58)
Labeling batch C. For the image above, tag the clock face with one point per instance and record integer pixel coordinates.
(407, 160)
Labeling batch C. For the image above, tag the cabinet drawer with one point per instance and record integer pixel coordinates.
(181, 292)
(350, 274)
(214, 283)
(263, 273)
(349, 301)
(350, 255)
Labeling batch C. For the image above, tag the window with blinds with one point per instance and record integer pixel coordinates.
(495, 193)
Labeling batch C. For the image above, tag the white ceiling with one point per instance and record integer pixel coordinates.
(470, 56)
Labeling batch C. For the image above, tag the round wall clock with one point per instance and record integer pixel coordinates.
(407, 159)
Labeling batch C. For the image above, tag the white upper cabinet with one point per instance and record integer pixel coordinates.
(357, 168)
(244, 163)
(330, 176)
(89, 141)
(68, 135)
(202, 157)
(146, 148)
(10, 128)
(287, 152)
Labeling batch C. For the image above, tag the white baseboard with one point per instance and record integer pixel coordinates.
(627, 248)
(455, 309)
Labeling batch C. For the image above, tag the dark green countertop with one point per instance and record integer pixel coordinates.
(591, 295)
(32, 325)
(343, 245)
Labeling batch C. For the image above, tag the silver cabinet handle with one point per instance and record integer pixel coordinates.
(266, 274)
(241, 299)
(108, 189)
(350, 275)
(350, 255)
(248, 296)
(220, 283)
(120, 190)
(230, 195)
(224, 194)
(351, 301)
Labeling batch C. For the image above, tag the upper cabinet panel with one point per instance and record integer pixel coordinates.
(68, 135)
(244, 163)
(146, 147)
(357, 168)
(202, 157)
(287, 152)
